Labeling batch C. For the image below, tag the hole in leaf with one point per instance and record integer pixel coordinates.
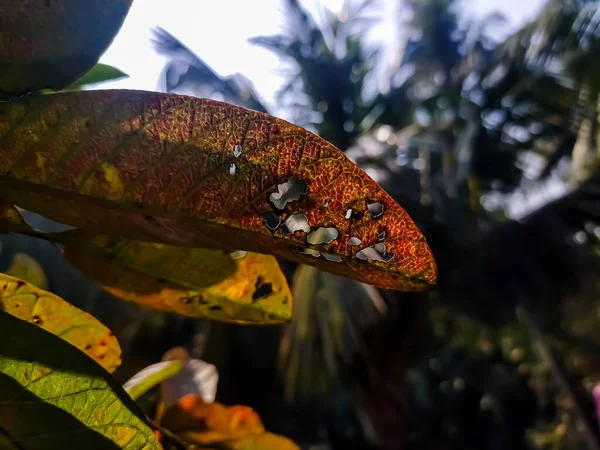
(232, 169)
(354, 241)
(237, 151)
(375, 209)
(238, 254)
(375, 253)
(326, 203)
(37, 320)
(186, 300)
(348, 214)
(331, 257)
(289, 191)
(271, 220)
(308, 251)
(323, 235)
(381, 236)
(262, 289)
(296, 222)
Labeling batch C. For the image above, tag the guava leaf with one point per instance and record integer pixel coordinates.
(51, 43)
(200, 173)
(26, 268)
(52, 396)
(53, 314)
(100, 73)
(194, 282)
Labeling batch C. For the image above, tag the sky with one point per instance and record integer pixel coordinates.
(218, 31)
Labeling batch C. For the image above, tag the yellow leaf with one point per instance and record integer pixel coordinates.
(52, 313)
(194, 282)
(28, 269)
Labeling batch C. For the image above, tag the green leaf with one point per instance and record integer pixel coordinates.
(52, 396)
(100, 73)
(150, 377)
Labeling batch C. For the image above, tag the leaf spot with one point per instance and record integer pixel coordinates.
(323, 235)
(271, 220)
(354, 241)
(238, 254)
(331, 257)
(295, 222)
(375, 253)
(289, 191)
(308, 251)
(215, 308)
(237, 151)
(376, 209)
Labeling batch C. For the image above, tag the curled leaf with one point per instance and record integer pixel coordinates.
(199, 283)
(157, 167)
(51, 43)
(58, 317)
(150, 377)
(53, 396)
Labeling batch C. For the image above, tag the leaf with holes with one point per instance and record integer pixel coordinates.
(51, 43)
(211, 284)
(201, 173)
(58, 317)
(213, 424)
(54, 396)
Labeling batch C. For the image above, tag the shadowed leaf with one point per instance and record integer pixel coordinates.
(58, 317)
(51, 43)
(228, 427)
(28, 269)
(201, 173)
(203, 283)
(53, 396)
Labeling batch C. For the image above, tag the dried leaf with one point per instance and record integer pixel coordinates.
(51, 43)
(55, 397)
(58, 317)
(28, 269)
(199, 283)
(168, 168)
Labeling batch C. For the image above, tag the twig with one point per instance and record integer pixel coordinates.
(546, 354)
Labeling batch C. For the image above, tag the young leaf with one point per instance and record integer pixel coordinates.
(28, 269)
(58, 317)
(53, 396)
(151, 376)
(201, 173)
(50, 44)
(203, 283)
(100, 73)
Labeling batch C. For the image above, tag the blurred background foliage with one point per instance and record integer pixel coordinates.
(493, 147)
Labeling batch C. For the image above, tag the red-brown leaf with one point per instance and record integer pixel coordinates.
(168, 168)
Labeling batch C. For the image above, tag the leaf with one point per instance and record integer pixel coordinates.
(100, 73)
(199, 283)
(58, 317)
(28, 269)
(51, 43)
(200, 173)
(229, 427)
(52, 396)
(151, 376)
